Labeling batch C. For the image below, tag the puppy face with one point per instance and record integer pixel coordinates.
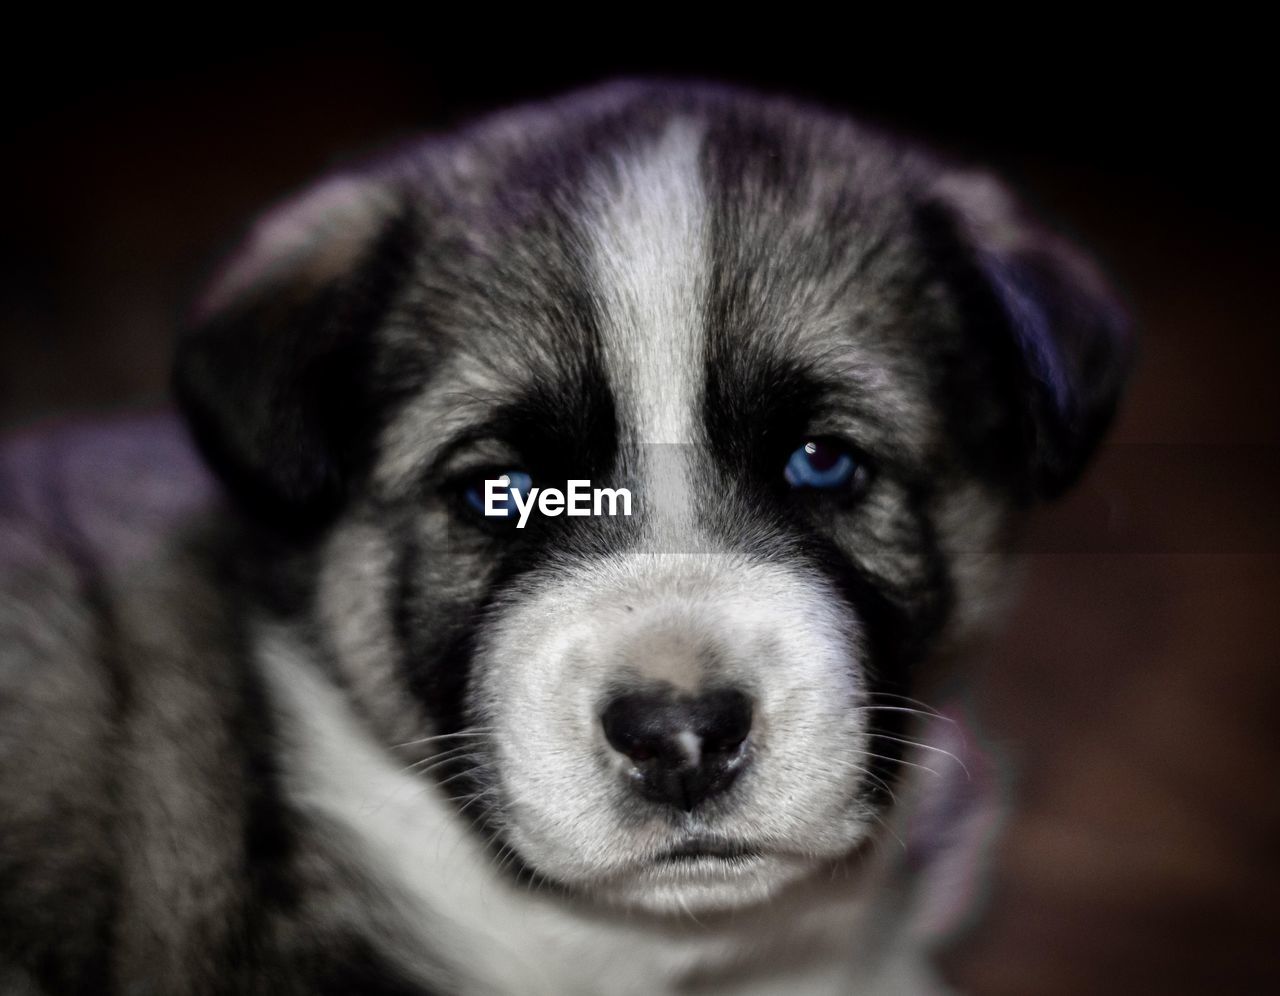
(827, 368)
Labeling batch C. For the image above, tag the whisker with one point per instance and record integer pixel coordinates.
(469, 761)
(868, 773)
(688, 911)
(499, 861)
(454, 777)
(898, 760)
(471, 801)
(876, 817)
(907, 698)
(924, 746)
(914, 712)
(475, 731)
(451, 750)
(428, 764)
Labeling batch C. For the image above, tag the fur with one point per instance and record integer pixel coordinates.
(309, 725)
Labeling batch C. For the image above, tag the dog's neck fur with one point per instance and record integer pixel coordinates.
(464, 926)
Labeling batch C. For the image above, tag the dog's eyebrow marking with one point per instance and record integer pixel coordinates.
(407, 452)
(650, 257)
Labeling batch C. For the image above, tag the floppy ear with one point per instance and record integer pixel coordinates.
(276, 371)
(1064, 339)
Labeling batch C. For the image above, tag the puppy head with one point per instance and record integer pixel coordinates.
(828, 368)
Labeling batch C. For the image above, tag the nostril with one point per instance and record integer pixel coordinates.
(635, 725)
(723, 720)
(724, 745)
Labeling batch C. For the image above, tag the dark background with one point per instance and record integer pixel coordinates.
(1138, 685)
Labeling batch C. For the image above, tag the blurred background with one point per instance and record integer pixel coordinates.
(1138, 688)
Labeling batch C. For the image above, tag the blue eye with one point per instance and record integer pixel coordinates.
(822, 465)
(508, 481)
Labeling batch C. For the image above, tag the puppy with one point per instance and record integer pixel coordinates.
(327, 727)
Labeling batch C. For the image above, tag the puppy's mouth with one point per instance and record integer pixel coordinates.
(703, 848)
(702, 874)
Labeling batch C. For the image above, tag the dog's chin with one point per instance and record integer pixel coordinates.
(695, 874)
(702, 884)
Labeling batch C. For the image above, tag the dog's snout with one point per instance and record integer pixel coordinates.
(683, 749)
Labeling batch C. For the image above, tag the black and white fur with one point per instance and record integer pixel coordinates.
(339, 735)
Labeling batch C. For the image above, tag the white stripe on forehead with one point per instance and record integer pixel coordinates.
(650, 260)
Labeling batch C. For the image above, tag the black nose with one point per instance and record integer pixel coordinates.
(683, 749)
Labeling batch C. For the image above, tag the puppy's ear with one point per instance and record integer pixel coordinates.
(1061, 338)
(276, 372)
